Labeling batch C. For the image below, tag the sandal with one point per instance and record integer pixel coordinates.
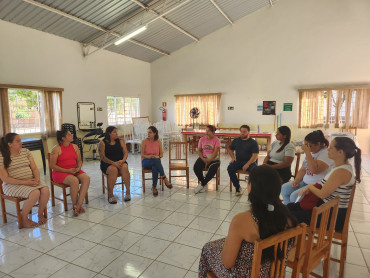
(155, 191)
(112, 200)
(127, 198)
(169, 185)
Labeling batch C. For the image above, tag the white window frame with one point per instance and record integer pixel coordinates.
(126, 117)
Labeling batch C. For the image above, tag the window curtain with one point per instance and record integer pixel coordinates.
(360, 113)
(208, 105)
(4, 106)
(52, 101)
(311, 112)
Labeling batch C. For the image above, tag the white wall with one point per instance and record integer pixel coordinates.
(31, 57)
(268, 55)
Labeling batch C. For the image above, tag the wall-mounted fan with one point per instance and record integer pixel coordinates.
(194, 113)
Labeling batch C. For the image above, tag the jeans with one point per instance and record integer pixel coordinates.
(289, 193)
(156, 166)
(235, 166)
(212, 170)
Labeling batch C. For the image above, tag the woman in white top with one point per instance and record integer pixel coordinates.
(338, 182)
(281, 155)
(315, 166)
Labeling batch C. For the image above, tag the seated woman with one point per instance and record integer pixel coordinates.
(21, 178)
(151, 154)
(281, 154)
(232, 256)
(113, 162)
(65, 160)
(315, 166)
(338, 182)
(208, 151)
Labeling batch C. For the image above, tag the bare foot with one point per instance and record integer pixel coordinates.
(82, 210)
(75, 210)
(26, 223)
(42, 219)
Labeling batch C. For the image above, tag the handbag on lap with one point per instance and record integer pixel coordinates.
(310, 200)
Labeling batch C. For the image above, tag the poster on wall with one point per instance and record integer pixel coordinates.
(259, 107)
(269, 108)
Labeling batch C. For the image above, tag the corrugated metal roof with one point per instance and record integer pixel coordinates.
(197, 17)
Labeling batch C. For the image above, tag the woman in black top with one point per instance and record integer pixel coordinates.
(113, 155)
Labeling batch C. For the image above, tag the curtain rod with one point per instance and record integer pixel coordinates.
(337, 88)
(192, 95)
(12, 86)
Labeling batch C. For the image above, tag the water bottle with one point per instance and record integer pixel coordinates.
(258, 129)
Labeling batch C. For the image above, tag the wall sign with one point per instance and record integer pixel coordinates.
(288, 107)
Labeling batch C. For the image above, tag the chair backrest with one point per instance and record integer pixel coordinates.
(280, 241)
(71, 128)
(1, 187)
(298, 158)
(320, 233)
(178, 152)
(349, 209)
(50, 170)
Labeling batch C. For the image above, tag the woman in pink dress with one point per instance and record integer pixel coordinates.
(65, 160)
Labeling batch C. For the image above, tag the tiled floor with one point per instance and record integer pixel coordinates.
(149, 237)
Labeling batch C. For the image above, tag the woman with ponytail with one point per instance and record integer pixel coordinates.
(232, 256)
(281, 154)
(21, 178)
(315, 166)
(338, 182)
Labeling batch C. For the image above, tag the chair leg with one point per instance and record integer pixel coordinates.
(19, 216)
(343, 255)
(231, 186)
(326, 267)
(143, 180)
(3, 209)
(87, 198)
(169, 173)
(65, 200)
(103, 182)
(46, 212)
(52, 194)
(187, 178)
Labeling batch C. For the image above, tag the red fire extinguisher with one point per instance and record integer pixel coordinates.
(164, 111)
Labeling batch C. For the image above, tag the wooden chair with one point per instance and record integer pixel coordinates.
(17, 201)
(318, 243)
(298, 155)
(218, 173)
(341, 237)
(104, 176)
(278, 241)
(238, 173)
(281, 241)
(143, 178)
(63, 187)
(178, 160)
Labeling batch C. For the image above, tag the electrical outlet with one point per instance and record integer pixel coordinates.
(99, 109)
(230, 108)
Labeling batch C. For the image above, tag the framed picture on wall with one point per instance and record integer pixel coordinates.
(269, 108)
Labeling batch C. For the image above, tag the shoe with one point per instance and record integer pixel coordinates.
(127, 198)
(155, 191)
(238, 193)
(169, 185)
(200, 189)
(112, 200)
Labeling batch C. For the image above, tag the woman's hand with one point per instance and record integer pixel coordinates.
(32, 182)
(303, 192)
(295, 184)
(306, 148)
(117, 164)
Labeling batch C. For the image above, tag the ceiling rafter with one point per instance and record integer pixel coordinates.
(106, 31)
(221, 11)
(159, 16)
(165, 20)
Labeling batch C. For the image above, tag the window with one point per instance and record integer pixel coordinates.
(343, 107)
(25, 112)
(121, 110)
(208, 105)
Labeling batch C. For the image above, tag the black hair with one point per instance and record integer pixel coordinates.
(245, 126)
(285, 131)
(265, 185)
(107, 133)
(317, 137)
(155, 131)
(348, 146)
(60, 134)
(212, 128)
(5, 151)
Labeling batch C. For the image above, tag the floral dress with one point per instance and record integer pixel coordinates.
(210, 260)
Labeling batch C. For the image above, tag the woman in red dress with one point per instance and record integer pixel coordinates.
(65, 160)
